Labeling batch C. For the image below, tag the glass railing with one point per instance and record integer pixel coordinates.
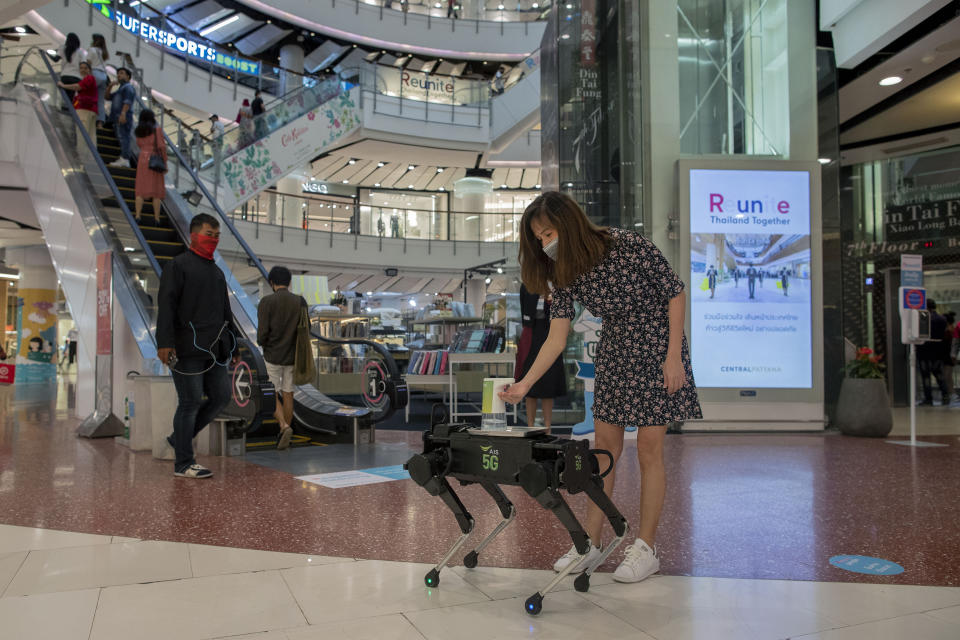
(139, 270)
(317, 215)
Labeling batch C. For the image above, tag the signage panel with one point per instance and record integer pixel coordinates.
(750, 255)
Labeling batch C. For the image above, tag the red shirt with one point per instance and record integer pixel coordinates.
(86, 97)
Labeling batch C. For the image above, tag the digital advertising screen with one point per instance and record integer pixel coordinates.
(750, 285)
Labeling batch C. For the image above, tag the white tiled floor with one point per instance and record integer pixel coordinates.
(64, 586)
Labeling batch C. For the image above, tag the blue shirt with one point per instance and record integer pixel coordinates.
(124, 95)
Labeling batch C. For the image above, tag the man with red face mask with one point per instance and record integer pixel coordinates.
(194, 338)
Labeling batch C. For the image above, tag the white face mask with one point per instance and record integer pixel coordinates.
(551, 249)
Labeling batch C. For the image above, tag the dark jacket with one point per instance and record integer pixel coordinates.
(277, 318)
(938, 347)
(193, 291)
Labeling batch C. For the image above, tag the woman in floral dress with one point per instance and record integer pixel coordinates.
(643, 373)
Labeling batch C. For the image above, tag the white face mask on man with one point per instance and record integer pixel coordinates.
(551, 249)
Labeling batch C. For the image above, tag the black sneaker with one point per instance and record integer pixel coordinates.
(194, 471)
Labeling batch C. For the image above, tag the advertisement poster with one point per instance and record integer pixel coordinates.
(261, 164)
(104, 324)
(36, 359)
(750, 290)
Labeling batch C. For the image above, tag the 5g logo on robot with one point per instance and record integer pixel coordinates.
(491, 458)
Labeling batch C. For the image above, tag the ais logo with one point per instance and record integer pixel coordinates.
(491, 458)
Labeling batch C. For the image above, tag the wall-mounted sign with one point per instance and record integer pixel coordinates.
(750, 309)
(187, 46)
(922, 220)
(315, 187)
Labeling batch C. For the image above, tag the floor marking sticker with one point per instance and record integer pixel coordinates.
(866, 564)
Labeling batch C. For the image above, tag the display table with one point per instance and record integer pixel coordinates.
(450, 388)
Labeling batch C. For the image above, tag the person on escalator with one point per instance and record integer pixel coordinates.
(85, 101)
(195, 340)
(277, 318)
(122, 94)
(149, 182)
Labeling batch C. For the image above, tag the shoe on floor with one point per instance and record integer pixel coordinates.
(283, 442)
(168, 453)
(119, 163)
(572, 555)
(640, 562)
(194, 471)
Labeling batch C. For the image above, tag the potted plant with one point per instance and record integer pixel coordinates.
(863, 408)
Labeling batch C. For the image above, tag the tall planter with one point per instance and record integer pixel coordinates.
(863, 408)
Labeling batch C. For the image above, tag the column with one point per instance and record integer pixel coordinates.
(291, 58)
(289, 208)
(470, 203)
(37, 318)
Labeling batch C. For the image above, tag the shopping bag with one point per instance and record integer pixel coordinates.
(304, 365)
(779, 285)
(705, 285)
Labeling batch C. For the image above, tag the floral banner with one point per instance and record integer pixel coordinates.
(260, 165)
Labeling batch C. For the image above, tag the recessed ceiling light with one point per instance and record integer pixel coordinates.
(351, 161)
(439, 169)
(824, 160)
(377, 184)
(535, 5)
(269, 21)
(503, 186)
(411, 167)
(380, 164)
(442, 189)
(890, 81)
(51, 52)
(409, 186)
(20, 30)
(345, 181)
(500, 7)
(569, 184)
(536, 186)
(565, 36)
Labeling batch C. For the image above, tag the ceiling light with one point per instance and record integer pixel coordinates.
(442, 189)
(269, 21)
(824, 160)
(351, 161)
(565, 36)
(890, 81)
(503, 186)
(220, 25)
(436, 5)
(20, 30)
(535, 5)
(345, 181)
(411, 167)
(499, 269)
(439, 169)
(569, 6)
(369, 293)
(380, 164)
(409, 186)
(51, 52)
(377, 184)
(413, 302)
(569, 184)
(536, 186)
(313, 33)
(487, 281)
(500, 6)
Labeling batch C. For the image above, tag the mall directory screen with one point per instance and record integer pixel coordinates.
(750, 293)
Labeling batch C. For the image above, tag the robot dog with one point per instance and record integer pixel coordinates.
(528, 457)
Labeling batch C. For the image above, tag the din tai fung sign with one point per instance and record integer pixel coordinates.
(922, 220)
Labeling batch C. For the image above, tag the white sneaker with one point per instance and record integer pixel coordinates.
(283, 442)
(120, 163)
(572, 555)
(640, 562)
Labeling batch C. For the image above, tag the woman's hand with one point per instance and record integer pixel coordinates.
(515, 392)
(674, 377)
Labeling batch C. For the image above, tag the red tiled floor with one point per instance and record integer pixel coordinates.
(746, 505)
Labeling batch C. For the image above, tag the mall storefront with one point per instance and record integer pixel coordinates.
(911, 205)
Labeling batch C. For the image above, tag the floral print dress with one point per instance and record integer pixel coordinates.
(630, 290)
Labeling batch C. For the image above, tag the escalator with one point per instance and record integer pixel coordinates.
(105, 199)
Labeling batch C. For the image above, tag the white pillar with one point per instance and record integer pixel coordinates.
(291, 58)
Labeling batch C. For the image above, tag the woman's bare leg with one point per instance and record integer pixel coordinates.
(546, 404)
(653, 480)
(610, 438)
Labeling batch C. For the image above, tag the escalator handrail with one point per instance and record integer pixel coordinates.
(392, 367)
(121, 203)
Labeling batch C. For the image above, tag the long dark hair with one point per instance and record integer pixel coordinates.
(147, 124)
(71, 45)
(581, 244)
(100, 43)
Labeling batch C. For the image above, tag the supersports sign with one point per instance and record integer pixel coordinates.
(186, 46)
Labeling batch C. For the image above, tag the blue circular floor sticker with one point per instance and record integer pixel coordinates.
(866, 564)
